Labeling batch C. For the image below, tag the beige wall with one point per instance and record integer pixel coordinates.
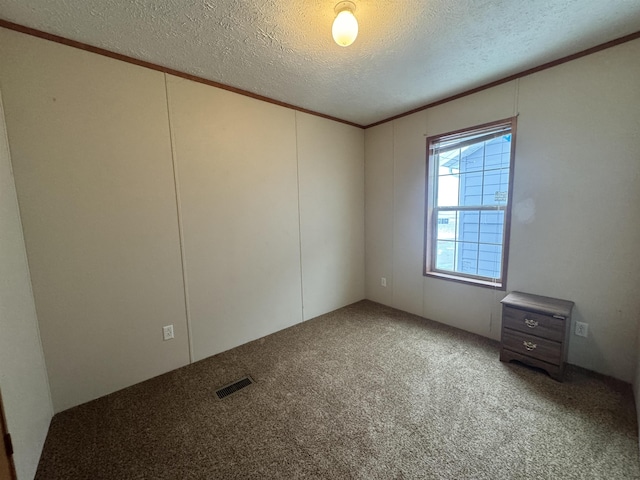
(123, 172)
(378, 222)
(331, 179)
(92, 158)
(576, 213)
(273, 223)
(239, 204)
(23, 377)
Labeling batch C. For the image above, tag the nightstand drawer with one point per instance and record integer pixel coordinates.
(536, 347)
(544, 326)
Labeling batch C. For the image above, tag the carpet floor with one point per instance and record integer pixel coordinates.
(365, 392)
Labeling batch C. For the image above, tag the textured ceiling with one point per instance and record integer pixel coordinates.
(408, 52)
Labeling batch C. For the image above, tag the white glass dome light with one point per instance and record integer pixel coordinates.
(345, 25)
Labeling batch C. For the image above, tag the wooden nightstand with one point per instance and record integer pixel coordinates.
(535, 331)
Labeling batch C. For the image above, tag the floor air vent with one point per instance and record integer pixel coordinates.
(234, 387)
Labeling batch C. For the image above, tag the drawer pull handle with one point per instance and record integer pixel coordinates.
(529, 345)
(531, 323)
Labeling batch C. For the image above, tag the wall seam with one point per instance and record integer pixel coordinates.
(176, 185)
(516, 98)
(299, 218)
(393, 212)
(364, 212)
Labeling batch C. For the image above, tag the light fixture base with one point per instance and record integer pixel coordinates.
(345, 6)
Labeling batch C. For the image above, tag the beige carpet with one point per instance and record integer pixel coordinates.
(366, 392)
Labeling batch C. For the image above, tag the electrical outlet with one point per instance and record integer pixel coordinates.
(167, 332)
(582, 329)
(383, 281)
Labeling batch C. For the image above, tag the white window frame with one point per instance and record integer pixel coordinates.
(431, 207)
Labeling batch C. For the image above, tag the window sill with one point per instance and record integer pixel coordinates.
(469, 281)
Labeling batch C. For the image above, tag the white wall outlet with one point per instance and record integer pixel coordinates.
(582, 329)
(383, 281)
(167, 332)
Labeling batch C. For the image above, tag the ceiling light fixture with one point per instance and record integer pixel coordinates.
(345, 26)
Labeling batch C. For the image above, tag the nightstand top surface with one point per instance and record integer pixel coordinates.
(538, 303)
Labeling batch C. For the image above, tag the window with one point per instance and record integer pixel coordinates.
(469, 178)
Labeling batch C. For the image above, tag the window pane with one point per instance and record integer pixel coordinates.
(498, 152)
(467, 256)
(449, 162)
(472, 158)
(489, 260)
(469, 226)
(491, 227)
(495, 187)
(448, 190)
(446, 225)
(500, 160)
(471, 189)
(445, 255)
(494, 147)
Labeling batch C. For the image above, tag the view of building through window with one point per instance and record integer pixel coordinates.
(470, 194)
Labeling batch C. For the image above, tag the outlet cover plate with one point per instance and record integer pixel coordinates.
(582, 329)
(167, 332)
